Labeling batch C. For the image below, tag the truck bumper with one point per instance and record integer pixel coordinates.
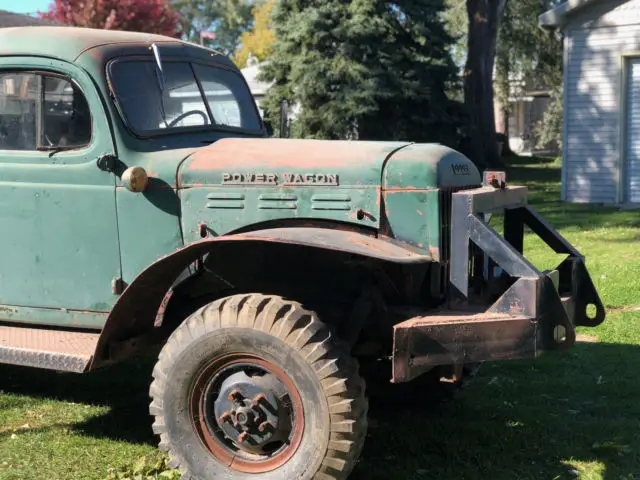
(536, 312)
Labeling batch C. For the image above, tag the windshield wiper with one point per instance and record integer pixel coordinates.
(55, 149)
(161, 83)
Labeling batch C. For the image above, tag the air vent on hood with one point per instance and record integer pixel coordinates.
(225, 200)
(331, 201)
(277, 201)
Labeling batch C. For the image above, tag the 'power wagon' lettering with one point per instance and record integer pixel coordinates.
(273, 179)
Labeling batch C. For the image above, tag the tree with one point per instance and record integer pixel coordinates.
(150, 16)
(522, 50)
(549, 129)
(525, 52)
(227, 18)
(259, 40)
(483, 18)
(363, 69)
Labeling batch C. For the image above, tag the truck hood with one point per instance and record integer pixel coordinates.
(273, 161)
(357, 164)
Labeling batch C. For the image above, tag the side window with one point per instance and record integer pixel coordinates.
(42, 112)
(18, 94)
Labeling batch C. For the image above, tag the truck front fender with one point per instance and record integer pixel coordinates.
(134, 313)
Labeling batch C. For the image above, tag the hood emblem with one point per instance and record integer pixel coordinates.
(322, 179)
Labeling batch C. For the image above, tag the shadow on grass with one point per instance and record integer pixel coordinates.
(124, 388)
(519, 419)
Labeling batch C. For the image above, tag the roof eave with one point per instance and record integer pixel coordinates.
(557, 16)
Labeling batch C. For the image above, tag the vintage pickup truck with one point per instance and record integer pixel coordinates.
(143, 205)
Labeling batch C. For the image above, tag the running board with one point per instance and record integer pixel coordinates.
(45, 348)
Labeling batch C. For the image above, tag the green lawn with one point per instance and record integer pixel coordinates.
(571, 415)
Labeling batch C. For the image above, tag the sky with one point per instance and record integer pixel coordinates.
(24, 6)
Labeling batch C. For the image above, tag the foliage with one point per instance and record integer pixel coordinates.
(549, 129)
(457, 26)
(150, 467)
(363, 69)
(259, 40)
(483, 23)
(525, 51)
(227, 18)
(149, 16)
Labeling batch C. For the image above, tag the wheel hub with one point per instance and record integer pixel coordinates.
(253, 412)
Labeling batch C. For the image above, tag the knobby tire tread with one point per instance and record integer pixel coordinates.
(337, 371)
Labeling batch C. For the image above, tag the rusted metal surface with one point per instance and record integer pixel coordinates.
(342, 241)
(297, 154)
(446, 338)
(137, 308)
(237, 453)
(534, 312)
(466, 226)
(47, 348)
(494, 179)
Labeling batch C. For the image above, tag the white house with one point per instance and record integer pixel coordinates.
(601, 129)
(258, 88)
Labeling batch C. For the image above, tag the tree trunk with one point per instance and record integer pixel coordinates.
(484, 19)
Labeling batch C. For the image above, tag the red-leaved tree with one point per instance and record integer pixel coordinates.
(149, 16)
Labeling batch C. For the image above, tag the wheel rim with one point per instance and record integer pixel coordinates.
(247, 412)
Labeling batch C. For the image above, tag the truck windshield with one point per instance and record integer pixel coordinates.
(194, 95)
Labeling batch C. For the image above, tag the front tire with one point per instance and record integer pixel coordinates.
(255, 384)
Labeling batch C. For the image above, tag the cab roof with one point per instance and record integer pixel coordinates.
(68, 43)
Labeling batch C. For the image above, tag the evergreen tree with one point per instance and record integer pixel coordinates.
(363, 69)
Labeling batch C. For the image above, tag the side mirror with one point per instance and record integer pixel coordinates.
(284, 119)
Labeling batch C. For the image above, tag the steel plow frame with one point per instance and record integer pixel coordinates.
(537, 312)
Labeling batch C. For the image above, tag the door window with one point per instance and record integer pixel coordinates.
(42, 112)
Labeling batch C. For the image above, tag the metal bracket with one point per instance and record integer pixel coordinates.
(117, 286)
(107, 162)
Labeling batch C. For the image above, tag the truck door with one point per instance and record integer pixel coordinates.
(58, 233)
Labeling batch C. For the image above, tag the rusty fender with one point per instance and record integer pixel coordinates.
(134, 312)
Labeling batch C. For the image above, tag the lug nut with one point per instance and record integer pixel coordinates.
(258, 399)
(235, 395)
(264, 426)
(225, 417)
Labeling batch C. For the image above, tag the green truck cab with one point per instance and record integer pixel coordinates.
(143, 205)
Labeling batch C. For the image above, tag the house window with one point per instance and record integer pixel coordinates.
(42, 112)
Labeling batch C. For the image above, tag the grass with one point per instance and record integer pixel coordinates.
(563, 416)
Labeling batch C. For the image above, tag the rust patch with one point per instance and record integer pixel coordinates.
(288, 153)
(47, 340)
(163, 308)
(236, 460)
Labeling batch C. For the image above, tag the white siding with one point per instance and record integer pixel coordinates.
(632, 164)
(596, 38)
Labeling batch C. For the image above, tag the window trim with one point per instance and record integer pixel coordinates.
(164, 132)
(40, 73)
